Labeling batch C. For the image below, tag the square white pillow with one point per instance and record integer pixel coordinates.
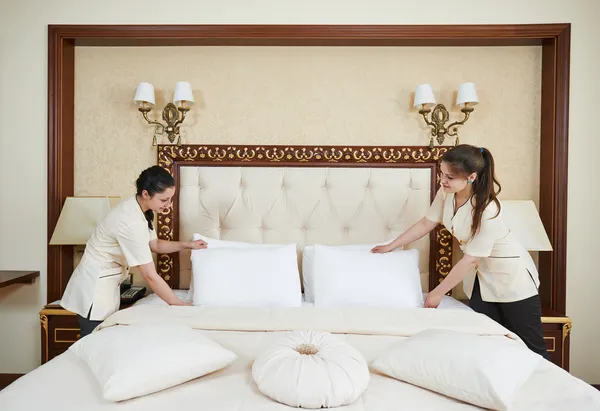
(346, 277)
(164, 356)
(308, 259)
(266, 276)
(483, 371)
(214, 243)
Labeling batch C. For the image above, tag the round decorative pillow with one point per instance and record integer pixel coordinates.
(311, 369)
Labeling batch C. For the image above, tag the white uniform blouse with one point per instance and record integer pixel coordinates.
(506, 271)
(120, 241)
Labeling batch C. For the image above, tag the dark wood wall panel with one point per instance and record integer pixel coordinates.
(61, 151)
(554, 38)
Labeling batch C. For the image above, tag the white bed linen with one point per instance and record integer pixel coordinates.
(447, 303)
(66, 384)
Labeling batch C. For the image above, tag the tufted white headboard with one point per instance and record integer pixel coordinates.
(305, 195)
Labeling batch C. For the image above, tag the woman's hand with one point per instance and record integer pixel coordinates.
(196, 245)
(381, 249)
(181, 303)
(433, 299)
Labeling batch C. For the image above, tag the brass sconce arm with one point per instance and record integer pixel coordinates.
(159, 127)
(425, 113)
(452, 128)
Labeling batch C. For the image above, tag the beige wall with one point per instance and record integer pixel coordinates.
(302, 95)
(23, 151)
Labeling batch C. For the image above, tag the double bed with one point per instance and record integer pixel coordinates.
(333, 197)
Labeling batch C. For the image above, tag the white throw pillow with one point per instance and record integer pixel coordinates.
(247, 277)
(483, 371)
(164, 356)
(308, 261)
(311, 369)
(346, 277)
(214, 243)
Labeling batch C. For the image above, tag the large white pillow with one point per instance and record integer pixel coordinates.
(311, 369)
(247, 277)
(308, 260)
(163, 356)
(346, 277)
(483, 371)
(215, 243)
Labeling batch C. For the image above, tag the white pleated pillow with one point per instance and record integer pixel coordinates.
(311, 369)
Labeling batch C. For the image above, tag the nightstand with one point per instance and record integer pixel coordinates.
(557, 331)
(60, 329)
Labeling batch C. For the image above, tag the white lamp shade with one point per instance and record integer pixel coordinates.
(183, 93)
(467, 93)
(424, 96)
(79, 217)
(522, 218)
(144, 94)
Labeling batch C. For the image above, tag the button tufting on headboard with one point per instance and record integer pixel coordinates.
(309, 205)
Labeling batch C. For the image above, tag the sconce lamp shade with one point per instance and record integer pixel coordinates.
(424, 96)
(183, 93)
(79, 217)
(144, 94)
(523, 220)
(467, 94)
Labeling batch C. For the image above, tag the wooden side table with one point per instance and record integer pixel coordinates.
(557, 332)
(60, 329)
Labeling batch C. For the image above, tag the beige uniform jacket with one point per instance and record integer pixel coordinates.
(120, 241)
(506, 270)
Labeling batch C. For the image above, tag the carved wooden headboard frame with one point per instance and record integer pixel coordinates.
(553, 38)
(172, 158)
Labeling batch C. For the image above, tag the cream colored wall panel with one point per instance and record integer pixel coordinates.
(302, 95)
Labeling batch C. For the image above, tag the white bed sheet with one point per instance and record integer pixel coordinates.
(448, 302)
(66, 384)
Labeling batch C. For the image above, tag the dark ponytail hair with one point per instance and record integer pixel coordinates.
(469, 159)
(154, 180)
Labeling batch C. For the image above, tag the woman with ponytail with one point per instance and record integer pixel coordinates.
(498, 274)
(125, 238)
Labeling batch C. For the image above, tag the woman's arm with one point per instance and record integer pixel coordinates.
(418, 230)
(167, 247)
(158, 284)
(454, 277)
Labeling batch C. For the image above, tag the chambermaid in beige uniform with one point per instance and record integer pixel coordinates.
(505, 270)
(120, 241)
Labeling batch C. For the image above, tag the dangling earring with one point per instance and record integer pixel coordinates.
(470, 181)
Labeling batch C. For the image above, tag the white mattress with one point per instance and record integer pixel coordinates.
(66, 384)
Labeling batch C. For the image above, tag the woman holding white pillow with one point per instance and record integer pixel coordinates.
(125, 238)
(498, 274)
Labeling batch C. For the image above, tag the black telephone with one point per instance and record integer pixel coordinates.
(132, 294)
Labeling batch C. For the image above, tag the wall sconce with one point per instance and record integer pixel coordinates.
(182, 100)
(466, 98)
